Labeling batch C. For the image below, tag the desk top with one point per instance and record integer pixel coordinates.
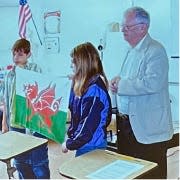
(84, 166)
(14, 143)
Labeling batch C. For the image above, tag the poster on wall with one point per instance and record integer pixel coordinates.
(52, 22)
(52, 45)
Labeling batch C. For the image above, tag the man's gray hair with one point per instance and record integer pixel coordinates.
(142, 16)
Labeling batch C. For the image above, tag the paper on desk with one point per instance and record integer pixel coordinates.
(117, 170)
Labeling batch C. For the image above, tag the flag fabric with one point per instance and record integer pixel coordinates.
(41, 103)
(24, 16)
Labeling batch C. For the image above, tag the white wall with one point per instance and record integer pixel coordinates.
(87, 20)
(82, 21)
(8, 32)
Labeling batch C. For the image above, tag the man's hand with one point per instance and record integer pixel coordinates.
(113, 84)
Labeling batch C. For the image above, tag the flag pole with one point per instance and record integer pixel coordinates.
(36, 30)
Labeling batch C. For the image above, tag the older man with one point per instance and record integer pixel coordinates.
(142, 92)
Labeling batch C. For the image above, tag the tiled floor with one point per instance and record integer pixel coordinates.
(57, 158)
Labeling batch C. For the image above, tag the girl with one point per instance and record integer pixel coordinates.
(89, 102)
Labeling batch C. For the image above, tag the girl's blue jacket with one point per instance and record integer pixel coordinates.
(90, 115)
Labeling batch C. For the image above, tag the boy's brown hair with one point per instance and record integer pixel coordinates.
(22, 44)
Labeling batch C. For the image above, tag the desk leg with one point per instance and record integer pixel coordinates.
(10, 169)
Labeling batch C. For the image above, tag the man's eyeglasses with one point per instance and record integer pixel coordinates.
(128, 27)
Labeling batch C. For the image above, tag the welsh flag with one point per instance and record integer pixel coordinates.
(41, 103)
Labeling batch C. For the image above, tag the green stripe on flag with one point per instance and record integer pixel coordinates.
(24, 116)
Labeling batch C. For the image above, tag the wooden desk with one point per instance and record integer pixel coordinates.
(14, 143)
(82, 166)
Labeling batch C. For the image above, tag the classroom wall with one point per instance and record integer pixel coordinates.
(85, 20)
(82, 21)
(88, 20)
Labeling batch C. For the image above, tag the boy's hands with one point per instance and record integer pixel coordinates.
(64, 148)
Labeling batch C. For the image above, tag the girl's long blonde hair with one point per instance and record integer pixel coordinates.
(87, 64)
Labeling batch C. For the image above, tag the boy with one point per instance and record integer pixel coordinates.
(34, 164)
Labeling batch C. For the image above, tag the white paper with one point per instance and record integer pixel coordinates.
(117, 170)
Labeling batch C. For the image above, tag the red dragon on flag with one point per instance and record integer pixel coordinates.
(43, 102)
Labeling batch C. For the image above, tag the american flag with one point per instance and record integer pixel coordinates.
(24, 16)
